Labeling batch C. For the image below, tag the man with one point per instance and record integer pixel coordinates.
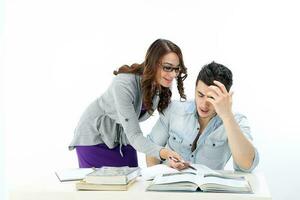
(206, 131)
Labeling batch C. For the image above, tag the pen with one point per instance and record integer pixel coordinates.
(186, 164)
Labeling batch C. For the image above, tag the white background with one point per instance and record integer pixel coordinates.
(57, 56)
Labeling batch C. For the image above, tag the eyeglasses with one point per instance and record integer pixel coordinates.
(168, 68)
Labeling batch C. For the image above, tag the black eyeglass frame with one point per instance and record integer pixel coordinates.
(169, 68)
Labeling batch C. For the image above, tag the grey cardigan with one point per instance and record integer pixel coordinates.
(113, 118)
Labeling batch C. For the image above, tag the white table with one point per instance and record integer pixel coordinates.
(48, 187)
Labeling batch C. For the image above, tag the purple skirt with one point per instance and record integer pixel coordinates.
(100, 155)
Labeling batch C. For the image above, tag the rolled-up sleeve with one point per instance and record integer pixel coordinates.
(253, 166)
(245, 128)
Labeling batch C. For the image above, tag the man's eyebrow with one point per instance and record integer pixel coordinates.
(200, 93)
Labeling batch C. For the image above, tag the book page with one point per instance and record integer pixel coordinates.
(241, 183)
(150, 172)
(204, 170)
(176, 178)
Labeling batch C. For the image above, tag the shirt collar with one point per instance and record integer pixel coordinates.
(215, 122)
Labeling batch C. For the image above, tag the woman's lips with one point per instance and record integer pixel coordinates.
(168, 80)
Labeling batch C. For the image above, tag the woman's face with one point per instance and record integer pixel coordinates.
(205, 109)
(168, 69)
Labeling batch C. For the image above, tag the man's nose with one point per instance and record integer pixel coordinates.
(206, 103)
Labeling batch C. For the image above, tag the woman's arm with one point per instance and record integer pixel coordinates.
(160, 135)
(124, 91)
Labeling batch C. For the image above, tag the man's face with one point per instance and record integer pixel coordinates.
(204, 108)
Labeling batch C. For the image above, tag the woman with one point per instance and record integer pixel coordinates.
(108, 133)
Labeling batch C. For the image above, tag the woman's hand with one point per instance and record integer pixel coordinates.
(174, 159)
(179, 165)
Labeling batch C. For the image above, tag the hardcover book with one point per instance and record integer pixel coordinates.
(82, 185)
(113, 175)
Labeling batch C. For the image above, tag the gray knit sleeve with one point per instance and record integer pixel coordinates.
(123, 94)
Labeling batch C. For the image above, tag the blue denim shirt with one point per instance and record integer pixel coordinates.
(178, 127)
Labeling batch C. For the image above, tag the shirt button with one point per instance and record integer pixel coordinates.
(174, 138)
(198, 128)
(192, 156)
(190, 145)
(214, 144)
(126, 119)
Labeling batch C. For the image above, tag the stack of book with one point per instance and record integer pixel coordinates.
(109, 178)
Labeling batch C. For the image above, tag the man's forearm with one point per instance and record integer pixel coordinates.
(242, 150)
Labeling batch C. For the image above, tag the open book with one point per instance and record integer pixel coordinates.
(203, 179)
(150, 173)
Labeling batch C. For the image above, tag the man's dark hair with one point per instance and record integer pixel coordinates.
(214, 71)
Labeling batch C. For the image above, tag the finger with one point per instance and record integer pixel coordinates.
(182, 167)
(212, 95)
(216, 89)
(212, 101)
(221, 85)
(175, 165)
(177, 157)
(172, 164)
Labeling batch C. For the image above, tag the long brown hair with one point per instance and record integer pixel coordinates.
(148, 69)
